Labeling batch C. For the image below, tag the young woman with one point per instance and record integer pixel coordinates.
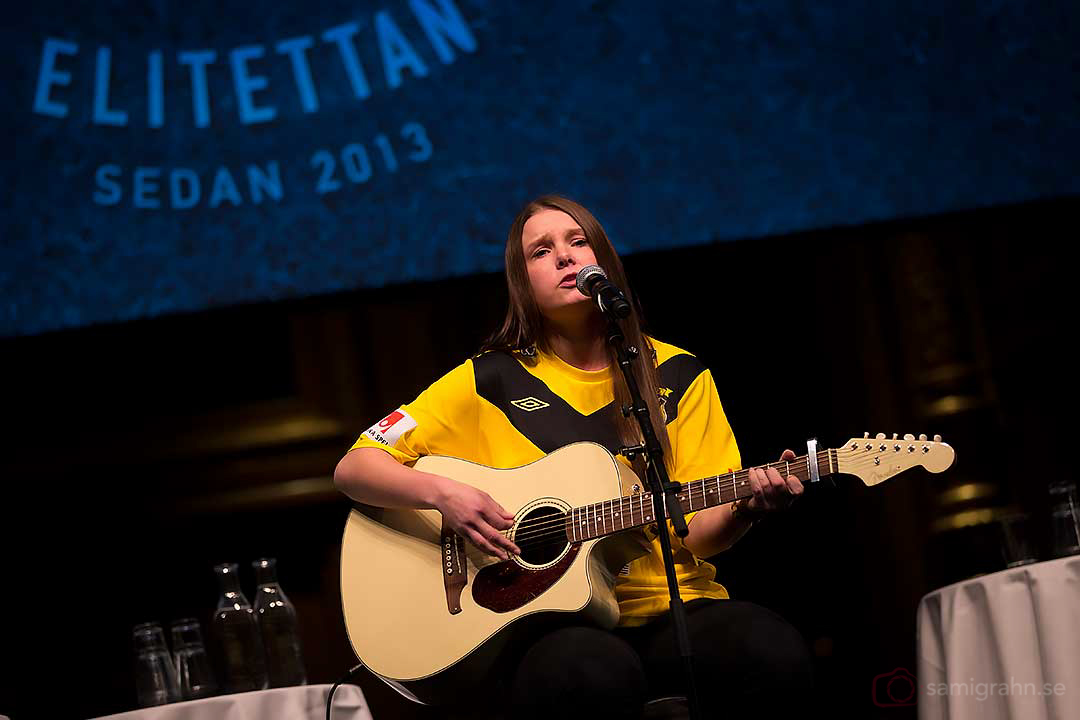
(546, 379)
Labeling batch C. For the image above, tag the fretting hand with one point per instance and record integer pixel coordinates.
(771, 490)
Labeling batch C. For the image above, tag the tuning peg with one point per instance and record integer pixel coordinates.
(909, 437)
(866, 435)
(922, 437)
(937, 438)
(894, 436)
(879, 436)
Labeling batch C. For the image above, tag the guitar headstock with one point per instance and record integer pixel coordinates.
(875, 460)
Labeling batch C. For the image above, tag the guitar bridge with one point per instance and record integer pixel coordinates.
(454, 568)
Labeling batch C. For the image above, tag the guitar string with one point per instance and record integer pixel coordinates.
(556, 527)
(693, 488)
(560, 521)
(602, 516)
(539, 531)
(601, 512)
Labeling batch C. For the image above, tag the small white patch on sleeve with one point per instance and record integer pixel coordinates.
(390, 429)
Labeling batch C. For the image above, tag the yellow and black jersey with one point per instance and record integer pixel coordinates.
(498, 411)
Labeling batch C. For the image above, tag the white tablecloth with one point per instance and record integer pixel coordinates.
(1005, 645)
(305, 701)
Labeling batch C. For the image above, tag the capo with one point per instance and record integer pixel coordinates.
(811, 461)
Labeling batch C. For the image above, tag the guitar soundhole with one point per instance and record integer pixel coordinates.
(541, 535)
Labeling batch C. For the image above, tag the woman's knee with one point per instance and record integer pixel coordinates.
(579, 669)
(759, 639)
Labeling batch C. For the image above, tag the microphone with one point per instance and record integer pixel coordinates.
(592, 282)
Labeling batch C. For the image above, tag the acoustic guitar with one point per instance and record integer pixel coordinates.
(428, 612)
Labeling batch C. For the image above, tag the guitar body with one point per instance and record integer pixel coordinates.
(399, 619)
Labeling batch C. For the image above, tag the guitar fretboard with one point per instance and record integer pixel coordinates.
(611, 516)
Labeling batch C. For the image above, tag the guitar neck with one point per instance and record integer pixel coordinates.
(610, 516)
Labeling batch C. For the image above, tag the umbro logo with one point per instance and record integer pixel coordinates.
(528, 404)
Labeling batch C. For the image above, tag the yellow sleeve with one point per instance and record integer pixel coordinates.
(442, 420)
(702, 442)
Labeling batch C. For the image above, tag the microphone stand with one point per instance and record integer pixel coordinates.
(663, 496)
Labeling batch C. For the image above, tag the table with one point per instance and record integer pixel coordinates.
(1004, 645)
(304, 701)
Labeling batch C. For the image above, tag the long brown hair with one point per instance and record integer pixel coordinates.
(523, 327)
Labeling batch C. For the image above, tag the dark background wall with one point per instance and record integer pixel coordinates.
(139, 455)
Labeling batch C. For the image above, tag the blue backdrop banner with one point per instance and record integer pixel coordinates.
(174, 156)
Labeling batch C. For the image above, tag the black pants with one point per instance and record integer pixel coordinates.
(747, 659)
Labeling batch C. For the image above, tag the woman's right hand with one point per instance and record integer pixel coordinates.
(475, 515)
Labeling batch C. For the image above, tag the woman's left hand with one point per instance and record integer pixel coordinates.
(771, 490)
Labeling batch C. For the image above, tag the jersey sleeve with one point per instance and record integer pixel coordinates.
(702, 441)
(442, 420)
(704, 444)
